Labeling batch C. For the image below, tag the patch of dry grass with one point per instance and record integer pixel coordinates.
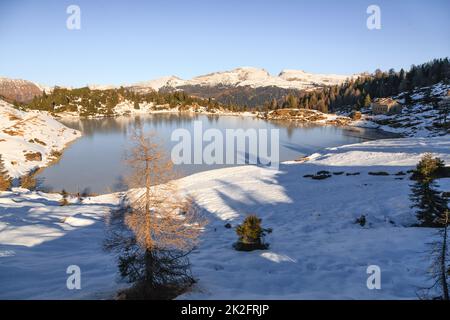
(13, 132)
(33, 156)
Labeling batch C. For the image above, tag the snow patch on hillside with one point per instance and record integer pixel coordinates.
(27, 139)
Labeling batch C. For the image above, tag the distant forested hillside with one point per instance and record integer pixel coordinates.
(359, 92)
(245, 97)
(353, 94)
(90, 102)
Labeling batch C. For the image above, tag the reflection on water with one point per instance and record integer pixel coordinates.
(96, 161)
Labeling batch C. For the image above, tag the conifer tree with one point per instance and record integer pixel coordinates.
(430, 205)
(251, 234)
(157, 229)
(292, 101)
(367, 101)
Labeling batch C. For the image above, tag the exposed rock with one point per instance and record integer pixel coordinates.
(18, 90)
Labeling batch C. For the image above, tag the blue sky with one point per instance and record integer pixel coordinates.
(129, 41)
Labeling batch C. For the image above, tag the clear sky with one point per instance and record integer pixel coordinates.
(128, 41)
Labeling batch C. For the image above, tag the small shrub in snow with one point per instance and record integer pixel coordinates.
(55, 154)
(28, 181)
(5, 181)
(356, 115)
(83, 195)
(64, 201)
(251, 235)
(361, 220)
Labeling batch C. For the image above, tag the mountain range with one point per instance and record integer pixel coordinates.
(249, 76)
(245, 85)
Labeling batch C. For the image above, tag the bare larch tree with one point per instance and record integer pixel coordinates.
(163, 224)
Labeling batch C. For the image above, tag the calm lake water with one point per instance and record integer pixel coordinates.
(97, 160)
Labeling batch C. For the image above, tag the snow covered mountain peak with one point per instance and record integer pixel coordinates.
(156, 84)
(236, 77)
(310, 78)
(249, 76)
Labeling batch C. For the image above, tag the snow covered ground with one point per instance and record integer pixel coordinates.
(316, 248)
(39, 239)
(27, 139)
(317, 251)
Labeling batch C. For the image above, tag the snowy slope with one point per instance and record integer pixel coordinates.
(317, 251)
(39, 239)
(418, 119)
(32, 133)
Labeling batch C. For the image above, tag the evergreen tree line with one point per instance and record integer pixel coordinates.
(359, 92)
(91, 102)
